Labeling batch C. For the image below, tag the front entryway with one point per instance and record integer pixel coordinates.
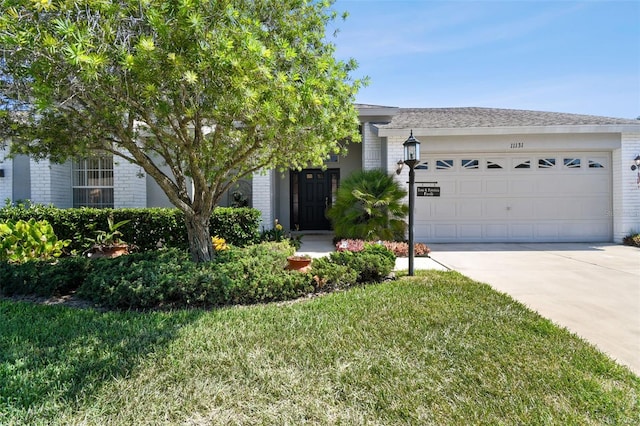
(313, 191)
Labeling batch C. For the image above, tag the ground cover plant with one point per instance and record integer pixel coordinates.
(432, 349)
(168, 279)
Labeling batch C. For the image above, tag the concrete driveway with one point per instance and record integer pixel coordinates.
(591, 289)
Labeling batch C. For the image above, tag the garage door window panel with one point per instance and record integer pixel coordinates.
(522, 164)
(546, 163)
(470, 164)
(444, 164)
(572, 163)
(495, 165)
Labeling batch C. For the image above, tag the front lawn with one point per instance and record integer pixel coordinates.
(434, 349)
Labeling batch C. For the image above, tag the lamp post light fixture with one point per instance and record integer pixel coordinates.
(636, 166)
(411, 159)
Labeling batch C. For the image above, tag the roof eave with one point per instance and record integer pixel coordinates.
(383, 131)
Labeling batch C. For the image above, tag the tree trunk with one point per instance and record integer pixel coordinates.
(200, 244)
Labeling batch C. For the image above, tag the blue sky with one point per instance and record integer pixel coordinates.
(563, 56)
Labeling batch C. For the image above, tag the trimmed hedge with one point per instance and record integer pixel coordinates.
(168, 278)
(44, 278)
(149, 227)
(373, 263)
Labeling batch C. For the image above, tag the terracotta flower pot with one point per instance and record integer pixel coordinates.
(109, 251)
(299, 263)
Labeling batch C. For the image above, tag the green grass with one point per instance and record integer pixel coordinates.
(434, 349)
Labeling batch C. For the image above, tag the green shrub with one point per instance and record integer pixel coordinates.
(369, 206)
(239, 226)
(332, 276)
(22, 241)
(44, 278)
(258, 274)
(168, 278)
(373, 264)
(148, 227)
(278, 234)
(632, 239)
(139, 280)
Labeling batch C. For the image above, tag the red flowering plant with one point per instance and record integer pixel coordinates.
(399, 248)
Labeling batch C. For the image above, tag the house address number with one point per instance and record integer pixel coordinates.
(516, 145)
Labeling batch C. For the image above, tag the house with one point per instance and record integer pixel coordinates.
(486, 175)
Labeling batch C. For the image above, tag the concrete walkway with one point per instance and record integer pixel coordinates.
(591, 289)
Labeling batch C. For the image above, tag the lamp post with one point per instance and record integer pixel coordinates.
(411, 159)
(636, 166)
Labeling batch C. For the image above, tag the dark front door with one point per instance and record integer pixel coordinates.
(313, 191)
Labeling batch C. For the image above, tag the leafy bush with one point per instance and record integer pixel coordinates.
(278, 234)
(239, 226)
(21, 241)
(369, 206)
(258, 274)
(330, 276)
(632, 239)
(372, 264)
(140, 280)
(44, 278)
(148, 227)
(168, 278)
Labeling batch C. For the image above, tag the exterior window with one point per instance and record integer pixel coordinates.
(470, 164)
(93, 182)
(334, 187)
(493, 165)
(572, 163)
(423, 166)
(444, 164)
(332, 158)
(594, 164)
(546, 163)
(524, 165)
(295, 191)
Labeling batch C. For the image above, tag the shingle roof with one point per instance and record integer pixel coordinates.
(371, 106)
(492, 117)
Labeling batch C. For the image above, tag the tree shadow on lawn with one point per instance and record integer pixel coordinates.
(53, 357)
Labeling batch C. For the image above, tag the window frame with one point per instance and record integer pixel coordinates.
(92, 185)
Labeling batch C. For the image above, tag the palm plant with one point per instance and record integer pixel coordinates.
(369, 206)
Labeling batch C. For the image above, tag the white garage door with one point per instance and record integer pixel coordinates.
(540, 197)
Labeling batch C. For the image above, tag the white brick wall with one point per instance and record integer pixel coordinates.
(61, 194)
(371, 148)
(263, 189)
(6, 182)
(129, 184)
(40, 181)
(626, 189)
(51, 183)
(395, 152)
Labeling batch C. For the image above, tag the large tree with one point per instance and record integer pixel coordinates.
(211, 90)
